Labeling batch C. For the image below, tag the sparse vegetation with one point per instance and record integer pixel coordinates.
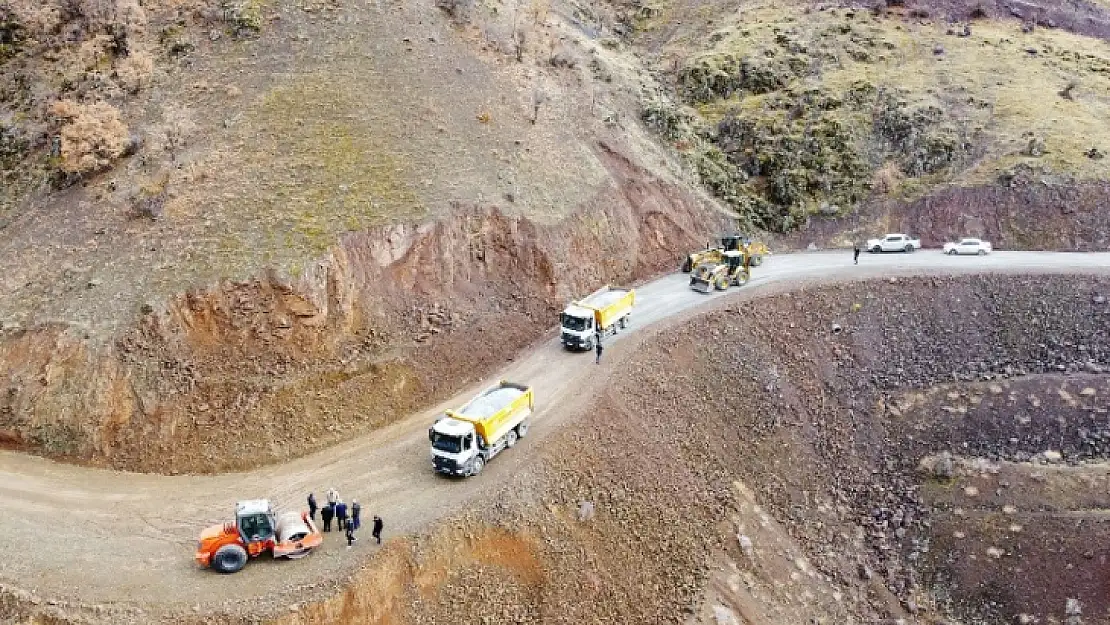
(92, 136)
(816, 111)
(243, 17)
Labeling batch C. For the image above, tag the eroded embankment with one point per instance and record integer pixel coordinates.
(249, 372)
(760, 463)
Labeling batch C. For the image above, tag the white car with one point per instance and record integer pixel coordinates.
(893, 243)
(977, 247)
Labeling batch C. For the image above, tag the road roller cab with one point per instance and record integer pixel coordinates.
(256, 530)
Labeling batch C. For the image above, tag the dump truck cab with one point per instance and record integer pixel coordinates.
(454, 446)
(579, 326)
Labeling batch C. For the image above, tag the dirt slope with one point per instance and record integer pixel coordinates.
(110, 517)
(331, 200)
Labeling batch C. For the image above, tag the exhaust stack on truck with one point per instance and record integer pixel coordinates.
(597, 316)
(464, 440)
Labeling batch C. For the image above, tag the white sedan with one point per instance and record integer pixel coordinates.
(977, 247)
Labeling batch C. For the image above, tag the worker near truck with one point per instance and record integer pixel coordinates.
(312, 506)
(326, 514)
(598, 348)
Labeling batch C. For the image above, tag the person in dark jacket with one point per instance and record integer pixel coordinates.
(341, 514)
(326, 514)
(378, 529)
(855, 254)
(598, 348)
(356, 511)
(312, 506)
(350, 535)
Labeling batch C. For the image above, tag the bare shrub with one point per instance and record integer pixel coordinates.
(92, 136)
(459, 10)
(134, 71)
(539, 10)
(1068, 92)
(564, 57)
(150, 202)
(177, 127)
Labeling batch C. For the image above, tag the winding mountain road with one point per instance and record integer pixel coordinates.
(91, 536)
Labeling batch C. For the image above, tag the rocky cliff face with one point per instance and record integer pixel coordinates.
(390, 320)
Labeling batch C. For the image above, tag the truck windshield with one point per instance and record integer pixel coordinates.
(449, 444)
(575, 324)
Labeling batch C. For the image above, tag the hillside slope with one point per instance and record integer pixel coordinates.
(221, 223)
(795, 112)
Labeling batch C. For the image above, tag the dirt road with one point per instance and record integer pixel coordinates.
(89, 536)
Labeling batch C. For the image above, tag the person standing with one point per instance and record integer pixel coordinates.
(312, 506)
(598, 348)
(350, 535)
(341, 514)
(378, 529)
(326, 514)
(356, 511)
(333, 496)
(855, 253)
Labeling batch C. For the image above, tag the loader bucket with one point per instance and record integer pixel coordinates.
(701, 285)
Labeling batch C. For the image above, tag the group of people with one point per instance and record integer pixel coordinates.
(347, 518)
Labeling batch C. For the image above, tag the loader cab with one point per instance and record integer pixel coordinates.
(255, 521)
(732, 242)
(735, 259)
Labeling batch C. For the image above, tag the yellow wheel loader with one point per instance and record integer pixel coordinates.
(756, 250)
(734, 268)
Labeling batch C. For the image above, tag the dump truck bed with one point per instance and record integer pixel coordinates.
(609, 304)
(496, 410)
(603, 298)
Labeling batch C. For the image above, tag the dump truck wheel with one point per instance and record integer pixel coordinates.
(741, 280)
(624, 322)
(479, 464)
(510, 439)
(229, 559)
(522, 429)
(687, 265)
(757, 261)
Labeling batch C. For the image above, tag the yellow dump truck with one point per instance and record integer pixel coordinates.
(600, 314)
(464, 440)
